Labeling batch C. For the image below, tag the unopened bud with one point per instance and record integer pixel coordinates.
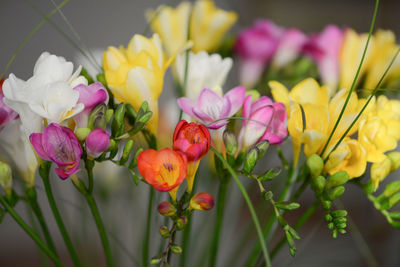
(126, 152)
(164, 231)
(145, 118)
(231, 143)
(336, 192)
(251, 160)
(287, 205)
(109, 114)
(337, 179)
(6, 177)
(326, 204)
(165, 208)
(82, 133)
(339, 213)
(394, 158)
(391, 188)
(315, 165)
(393, 200)
(267, 195)
(262, 148)
(97, 118)
(202, 201)
(379, 171)
(176, 249)
(319, 184)
(181, 222)
(156, 259)
(131, 111)
(97, 142)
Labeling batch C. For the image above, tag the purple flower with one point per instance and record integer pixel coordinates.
(266, 121)
(97, 142)
(60, 145)
(290, 45)
(324, 48)
(91, 96)
(210, 108)
(256, 46)
(6, 113)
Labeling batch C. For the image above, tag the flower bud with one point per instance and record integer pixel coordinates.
(202, 201)
(379, 171)
(326, 204)
(181, 222)
(287, 205)
(165, 208)
(126, 152)
(6, 177)
(97, 142)
(391, 188)
(82, 133)
(231, 143)
(156, 259)
(262, 148)
(336, 192)
(393, 200)
(164, 231)
(337, 179)
(97, 118)
(315, 164)
(120, 113)
(394, 160)
(319, 184)
(339, 213)
(176, 249)
(109, 114)
(251, 160)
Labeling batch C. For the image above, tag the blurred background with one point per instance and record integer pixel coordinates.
(370, 241)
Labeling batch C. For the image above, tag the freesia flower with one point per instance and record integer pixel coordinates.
(325, 48)
(165, 208)
(90, 96)
(97, 142)
(48, 94)
(136, 73)
(264, 120)
(208, 25)
(60, 145)
(204, 71)
(290, 45)
(211, 108)
(255, 47)
(193, 140)
(201, 201)
(165, 169)
(19, 150)
(6, 113)
(379, 171)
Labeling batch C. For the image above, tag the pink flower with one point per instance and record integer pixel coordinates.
(97, 142)
(324, 48)
(6, 113)
(90, 96)
(201, 201)
(266, 121)
(290, 45)
(60, 145)
(256, 46)
(211, 108)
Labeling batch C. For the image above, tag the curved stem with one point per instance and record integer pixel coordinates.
(249, 204)
(146, 243)
(30, 232)
(223, 186)
(33, 203)
(44, 171)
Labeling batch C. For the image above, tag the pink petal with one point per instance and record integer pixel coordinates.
(187, 105)
(36, 141)
(236, 98)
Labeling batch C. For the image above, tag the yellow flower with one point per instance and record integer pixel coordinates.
(383, 51)
(349, 156)
(136, 74)
(208, 25)
(350, 56)
(379, 171)
(171, 25)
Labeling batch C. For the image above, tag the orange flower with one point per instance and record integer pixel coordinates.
(164, 169)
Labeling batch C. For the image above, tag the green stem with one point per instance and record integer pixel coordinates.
(249, 204)
(371, 29)
(30, 232)
(146, 243)
(44, 171)
(303, 219)
(33, 203)
(223, 186)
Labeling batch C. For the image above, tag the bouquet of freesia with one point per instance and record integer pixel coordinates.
(316, 102)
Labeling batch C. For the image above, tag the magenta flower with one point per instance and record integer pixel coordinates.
(6, 113)
(60, 145)
(91, 96)
(256, 46)
(324, 48)
(97, 142)
(290, 45)
(266, 121)
(210, 108)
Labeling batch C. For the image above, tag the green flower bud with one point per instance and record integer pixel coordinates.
(340, 220)
(287, 205)
(97, 119)
(231, 143)
(315, 165)
(337, 179)
(156, 259)
(126, 152)
(120, 113)
(342, 230)
(393, 200)
(262, 148)
(395, 215)
(267, 195)
(251, 160)
(181, 222)
(331, 226)
(391, 189)
(326, 204)
(339, 213)
(130, 111)
(112, 145)
(176, 249)
(341, 225)
(82, 133)
(164, 231)
(6, 177)
(394, 160)
(109, 114)
(336, 192)
(328, 218)
(334, 233)
(319, 184)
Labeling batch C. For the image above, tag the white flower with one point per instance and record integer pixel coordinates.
(48, 94)
(19, 151)
(204, 71)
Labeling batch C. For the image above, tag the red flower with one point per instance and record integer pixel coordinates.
(164, 169)
(191, 139)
